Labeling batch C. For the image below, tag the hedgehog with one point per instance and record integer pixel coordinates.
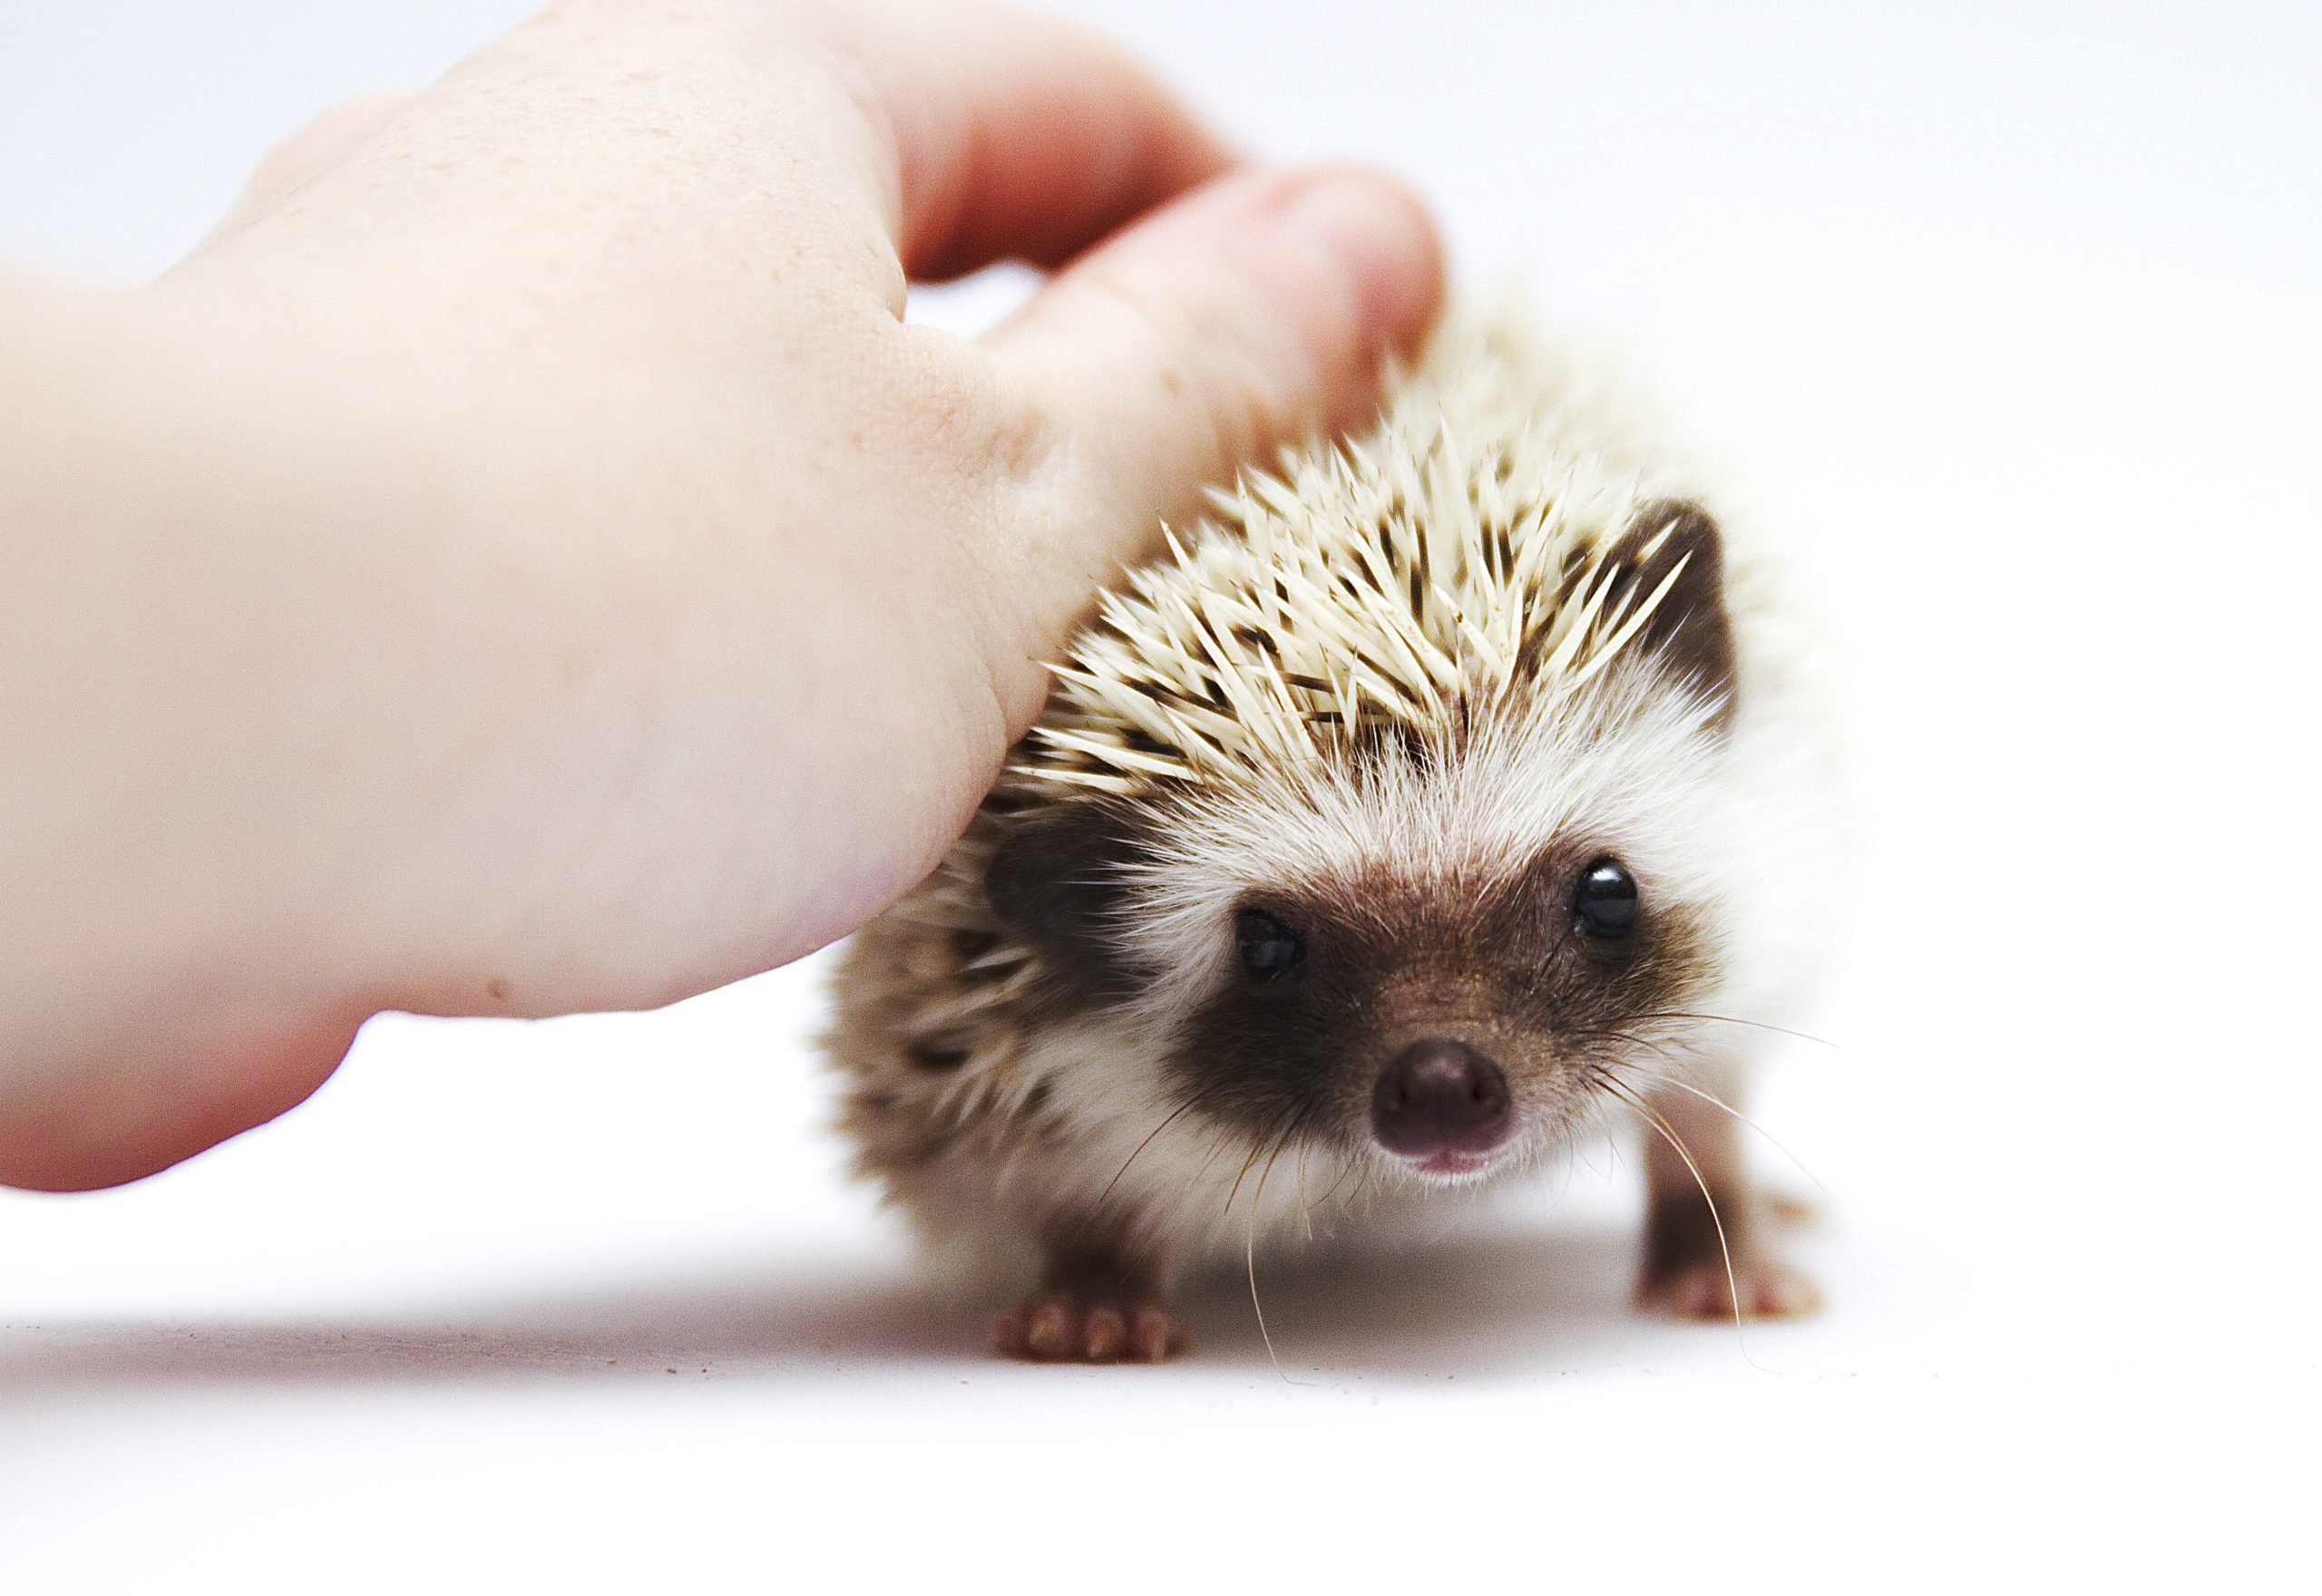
(1452, 794)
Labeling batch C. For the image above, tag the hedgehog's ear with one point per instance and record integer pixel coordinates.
(1688, 630)
(1055, 880)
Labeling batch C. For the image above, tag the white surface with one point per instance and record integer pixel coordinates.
(2009, 314)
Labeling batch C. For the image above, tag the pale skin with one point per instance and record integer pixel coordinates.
(524, 563)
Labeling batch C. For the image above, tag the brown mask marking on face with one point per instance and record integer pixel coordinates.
(1054, 880)
(1493, 959)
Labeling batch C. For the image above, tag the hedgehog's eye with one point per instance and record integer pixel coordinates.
(1604, 902)
(1267, 946)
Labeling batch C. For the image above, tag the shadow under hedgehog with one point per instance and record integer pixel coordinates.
(1453, 793)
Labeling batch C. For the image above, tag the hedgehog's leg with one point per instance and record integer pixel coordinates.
(1100, 1300)
(1709, 1232)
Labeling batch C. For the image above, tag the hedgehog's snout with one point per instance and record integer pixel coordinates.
(1443, 1105)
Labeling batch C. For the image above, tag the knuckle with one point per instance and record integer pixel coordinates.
(961, 417)
(1204, 379)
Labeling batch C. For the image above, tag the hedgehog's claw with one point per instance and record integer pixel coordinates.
(1058, 1326)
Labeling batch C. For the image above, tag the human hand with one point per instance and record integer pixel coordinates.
(524, 563)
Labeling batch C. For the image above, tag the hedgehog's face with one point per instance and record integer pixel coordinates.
(1451, 941)
(1442, 960)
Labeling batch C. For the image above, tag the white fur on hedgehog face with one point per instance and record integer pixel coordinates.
(1632, 769)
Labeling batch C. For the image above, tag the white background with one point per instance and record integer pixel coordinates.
(2007, 315)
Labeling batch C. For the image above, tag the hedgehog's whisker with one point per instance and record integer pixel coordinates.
(1216, 1145)
(1305, 1208)
(1250, 1267)
(1716, 1102)
(1308, 1204)
(1755, 1025)
(1291, 1125)
(1169, 1120)
(1677, 1143)
(1346, 1168)
(1296, 1124)
(1684, 1085)
(1257, 1146)
(1243, 1173)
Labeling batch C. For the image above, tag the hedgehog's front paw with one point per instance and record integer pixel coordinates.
(1066, 1326)
(1689, 1273)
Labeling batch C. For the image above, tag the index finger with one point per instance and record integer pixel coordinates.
(1014, 136)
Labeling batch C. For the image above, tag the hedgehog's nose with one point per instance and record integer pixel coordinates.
(1440, 1102)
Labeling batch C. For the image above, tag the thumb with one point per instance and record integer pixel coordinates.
(1243, 316)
